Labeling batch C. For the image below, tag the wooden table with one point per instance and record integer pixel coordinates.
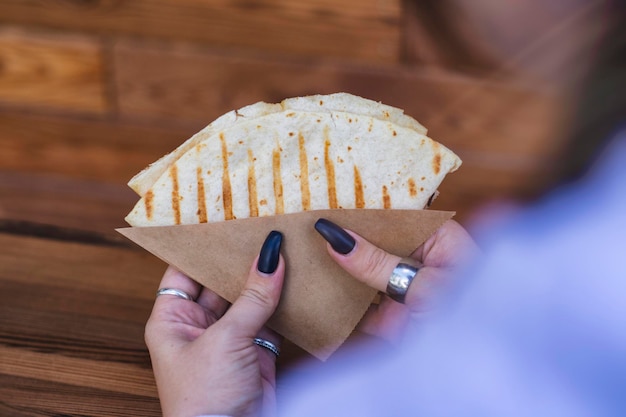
(73, 309)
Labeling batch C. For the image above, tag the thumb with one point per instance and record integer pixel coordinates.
(373, 266)
(361, 259)
(260, 296)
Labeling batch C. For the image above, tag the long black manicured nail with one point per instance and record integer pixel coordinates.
(338, 238)
(270, 253)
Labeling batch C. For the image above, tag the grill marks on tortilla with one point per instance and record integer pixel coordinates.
(173, 171)
(437, 163)
(278, 182)
(359, 195)
(252, 193)
(412, 188)
(386, 198)
(305, 189)
(148, 202)
(227, 195)
(436, 158)
(330, 173)
(202, 213)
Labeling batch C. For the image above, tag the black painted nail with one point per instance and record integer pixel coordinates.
(338, 238)
(270, 253)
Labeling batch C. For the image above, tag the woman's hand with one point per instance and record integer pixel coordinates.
(202, 351)
(439, 257)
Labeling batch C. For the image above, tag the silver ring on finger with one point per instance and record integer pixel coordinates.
(267, 345)
(175, 292)
(401, 278)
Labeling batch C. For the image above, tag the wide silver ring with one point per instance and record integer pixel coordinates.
(267, 345)
(401, 278)
(175, 292)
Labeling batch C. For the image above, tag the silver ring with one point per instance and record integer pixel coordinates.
(267, 345)
(173, 291)
(401, 278)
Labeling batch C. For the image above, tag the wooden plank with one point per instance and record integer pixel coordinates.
(109, 151)
(102, 338)
(28, 397)
(59, 72)
(36, 261)
(62, 201)
(366, 31)
(108, 376)
(71, 328)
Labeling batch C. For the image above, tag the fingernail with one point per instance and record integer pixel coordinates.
(338, 238)
(270, 253)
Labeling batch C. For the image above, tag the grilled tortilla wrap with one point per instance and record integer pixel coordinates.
(295, 160)
(144, 180)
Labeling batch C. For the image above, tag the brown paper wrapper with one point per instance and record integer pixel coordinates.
(321, 304)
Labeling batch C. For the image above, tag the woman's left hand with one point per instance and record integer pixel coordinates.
(202, 351)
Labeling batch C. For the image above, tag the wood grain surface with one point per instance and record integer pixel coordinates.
(65, 202)
(84, 148)
(63, 72)
(366, 31)
(72, 327)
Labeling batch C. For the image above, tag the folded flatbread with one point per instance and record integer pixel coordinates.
(302, 155)
(144, 180)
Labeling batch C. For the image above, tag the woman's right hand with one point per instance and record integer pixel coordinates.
(440, 256)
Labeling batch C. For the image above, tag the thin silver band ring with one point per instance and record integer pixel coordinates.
(173, 291)
(267, 345)
(401, 278)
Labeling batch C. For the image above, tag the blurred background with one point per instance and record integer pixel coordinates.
(91, 91)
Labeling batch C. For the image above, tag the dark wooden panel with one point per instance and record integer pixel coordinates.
(112, 272)
(67, 202)
(71, 328)
(105, 150)
(28, 397)
(367, 30)
(58, 72)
